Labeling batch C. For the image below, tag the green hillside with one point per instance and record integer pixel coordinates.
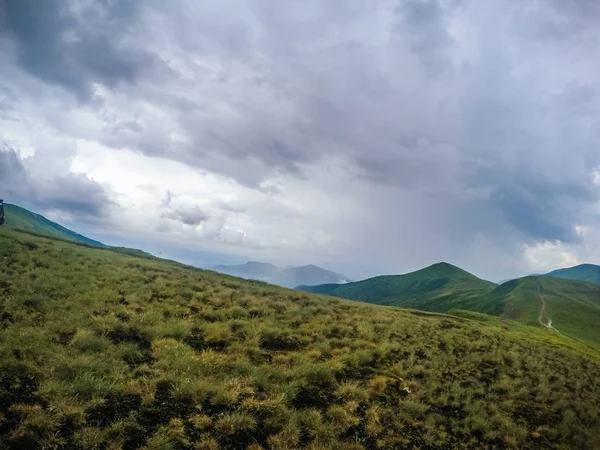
(438, 288)
(21, 219)
(582, 272)
(572, 306)
(102, 350)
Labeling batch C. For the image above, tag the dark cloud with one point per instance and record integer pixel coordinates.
(188, 216)
(540, 216)
(73, 194)
(422, 23)
(75, 46)
(13, 177)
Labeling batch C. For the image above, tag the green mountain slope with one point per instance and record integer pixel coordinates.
(573, 307)
(582, 272)
(438, 288)
(99, 349)
(21, 219)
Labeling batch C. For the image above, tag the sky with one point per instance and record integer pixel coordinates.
(367, 136)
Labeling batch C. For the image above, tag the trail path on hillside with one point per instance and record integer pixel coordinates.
(543, 314)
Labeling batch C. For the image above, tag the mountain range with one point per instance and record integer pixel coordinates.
(283, 276)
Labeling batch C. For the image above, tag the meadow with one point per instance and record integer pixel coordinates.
(104, 350)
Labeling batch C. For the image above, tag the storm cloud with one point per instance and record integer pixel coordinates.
(70, 193)
(409, 131)
(74, 45)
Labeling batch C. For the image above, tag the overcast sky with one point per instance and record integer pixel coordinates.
(372, 136)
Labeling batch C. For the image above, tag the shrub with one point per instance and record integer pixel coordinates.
(317, 389)
(86, 341)
(342, 418)
(235, 423)
(272, 339)
(36, 302)
(88, 385)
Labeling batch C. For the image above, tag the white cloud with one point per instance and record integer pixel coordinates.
(286, 219)
(596, 176)
(546, 256)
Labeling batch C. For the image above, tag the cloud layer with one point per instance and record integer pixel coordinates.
(389, 133)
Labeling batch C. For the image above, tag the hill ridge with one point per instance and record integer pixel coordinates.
(20, 218)
(582, 272)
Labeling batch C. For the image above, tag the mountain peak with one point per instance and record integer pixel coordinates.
(444, 265)
(443, 269)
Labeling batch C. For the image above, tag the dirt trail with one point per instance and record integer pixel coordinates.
(544, 318)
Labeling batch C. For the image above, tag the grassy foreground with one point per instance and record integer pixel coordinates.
(102, 350)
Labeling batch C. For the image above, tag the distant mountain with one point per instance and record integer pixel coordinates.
(582, 272)
(251, 270)
(21, 219)
(439, 288)
(283, 276)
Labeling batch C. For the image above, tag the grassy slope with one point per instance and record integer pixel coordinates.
(439, 288)
(573, 306)
(99, 349)
(21, 219)
(582, 272)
